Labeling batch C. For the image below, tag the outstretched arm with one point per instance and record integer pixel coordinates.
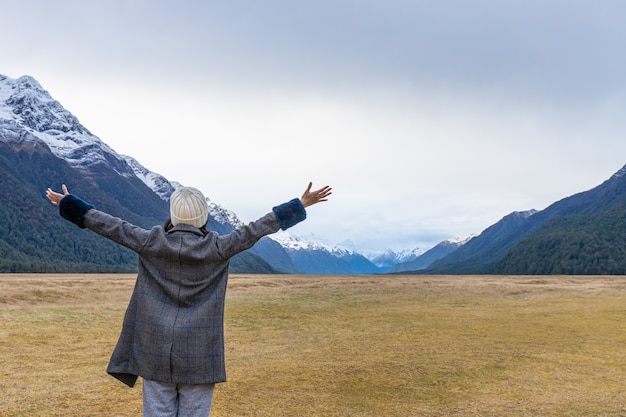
(313, 197)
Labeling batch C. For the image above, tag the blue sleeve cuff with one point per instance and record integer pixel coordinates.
(74, 209)
(290, 213)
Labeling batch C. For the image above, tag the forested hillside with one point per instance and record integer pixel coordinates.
(572, 245)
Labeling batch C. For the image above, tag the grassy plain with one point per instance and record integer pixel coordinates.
(338, 346)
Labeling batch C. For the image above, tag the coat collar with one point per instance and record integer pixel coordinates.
(186, 228)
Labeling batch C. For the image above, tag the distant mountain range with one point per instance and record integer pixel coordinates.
(581, 234)
(423, 261)
(42, 144)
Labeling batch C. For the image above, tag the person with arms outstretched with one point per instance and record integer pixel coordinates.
(173, 330)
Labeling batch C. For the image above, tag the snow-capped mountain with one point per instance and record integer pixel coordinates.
(27, 108)
(294, 243)
(42, 144)
(158, 183)
(382, 260)
(30, 119)
(223, 215)
(424, 259)
(388, 258)
(314, 256)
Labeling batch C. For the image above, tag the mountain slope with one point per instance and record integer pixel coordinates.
(427, 258)
(42, 145)
(316, 257)
(35, 238)
(597, 209)
(387, 259)
(577, 244)
(479, 255)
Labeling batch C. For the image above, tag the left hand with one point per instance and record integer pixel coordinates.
(54, 197)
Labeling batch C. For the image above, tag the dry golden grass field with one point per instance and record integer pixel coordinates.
(338, 346)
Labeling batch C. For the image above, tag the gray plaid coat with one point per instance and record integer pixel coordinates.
(173, 329)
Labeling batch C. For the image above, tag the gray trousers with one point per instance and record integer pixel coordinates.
(162, 399)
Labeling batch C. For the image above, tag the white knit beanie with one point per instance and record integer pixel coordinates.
(188, 206)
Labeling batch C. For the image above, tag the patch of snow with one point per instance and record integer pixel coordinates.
(461, 240)
(24, 102)
(156, 182)
(26, 106)
(223, 215)
(310, 242)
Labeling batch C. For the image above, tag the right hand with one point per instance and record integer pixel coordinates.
(313, 197)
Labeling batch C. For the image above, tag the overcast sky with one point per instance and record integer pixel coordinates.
(430, 119)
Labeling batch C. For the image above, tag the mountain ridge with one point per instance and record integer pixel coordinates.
(42, 144)
(485, 253)
(427, 258)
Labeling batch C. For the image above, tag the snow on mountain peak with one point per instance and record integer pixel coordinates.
(223, 215)
(26, 105)
(158, 183)
(461, 240)
(384, 259)
(28, 113)
(309, 243)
